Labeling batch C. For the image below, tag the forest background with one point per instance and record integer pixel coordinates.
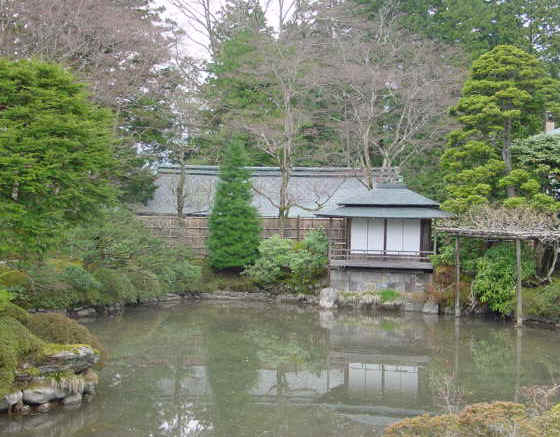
(299, 83)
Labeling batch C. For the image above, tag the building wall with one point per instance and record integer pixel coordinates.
(356, 279)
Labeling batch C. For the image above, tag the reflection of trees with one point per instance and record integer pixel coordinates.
(232, 372)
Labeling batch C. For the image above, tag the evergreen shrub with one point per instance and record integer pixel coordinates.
(234, 225)
(285, 265)
(496, 277)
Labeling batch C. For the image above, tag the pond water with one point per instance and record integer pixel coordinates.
(231, 369)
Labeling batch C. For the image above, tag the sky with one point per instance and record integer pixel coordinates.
(193, 45)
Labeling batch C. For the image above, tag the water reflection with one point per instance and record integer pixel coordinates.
(264, 370)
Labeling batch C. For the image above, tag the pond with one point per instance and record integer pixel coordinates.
(232, 369)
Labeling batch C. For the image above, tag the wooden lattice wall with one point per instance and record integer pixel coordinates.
(193, 231)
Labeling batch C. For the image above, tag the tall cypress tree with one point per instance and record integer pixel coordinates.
(234, 225)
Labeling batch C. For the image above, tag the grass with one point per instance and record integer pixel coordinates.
(389, 295)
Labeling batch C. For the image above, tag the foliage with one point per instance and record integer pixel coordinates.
(57, 328)
(504, 99)
(55, 155)
(389, 295)
(497, 419)
(211, 281)
(15, 342)
(24, 336)
(540, 155)
(480, 25)
(495, 280)
(234, 226)
(114, 259)
(470, 250)
(543, 301)
(296, 266)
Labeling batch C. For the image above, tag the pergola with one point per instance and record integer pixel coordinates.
(506, 224)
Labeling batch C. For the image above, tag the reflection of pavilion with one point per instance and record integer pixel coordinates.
(371, 375)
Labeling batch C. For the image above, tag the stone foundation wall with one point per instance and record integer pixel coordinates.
(356, 279)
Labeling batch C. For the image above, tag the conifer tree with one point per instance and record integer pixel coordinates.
(504, 100)
(234, 225)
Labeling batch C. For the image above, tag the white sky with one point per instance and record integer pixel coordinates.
(196, 49)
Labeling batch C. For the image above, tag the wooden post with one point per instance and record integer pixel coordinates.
(519, 311)
(298, 224)
(458, 279)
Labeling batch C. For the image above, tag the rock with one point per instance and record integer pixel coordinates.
(430, 308)
(368, 299)
(42, 394)
(24, 410)
(86, 312)
(76, 358)
(170, 297)
(328, 298)
(414, 306)
(14, 398)
(9, 400)
(326, 319)
(43, 408)
(73, 399)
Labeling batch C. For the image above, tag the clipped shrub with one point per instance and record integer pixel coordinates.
(115, 286)
(47, 288)
(291, 266)
(57, 328)
(497, 419)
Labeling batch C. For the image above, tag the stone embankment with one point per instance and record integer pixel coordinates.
(330, 299)
(63, 377)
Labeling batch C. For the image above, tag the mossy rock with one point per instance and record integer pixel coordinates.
(15, 312)
(12, 278)
(16, 342)
(31, 338)
(65, 332)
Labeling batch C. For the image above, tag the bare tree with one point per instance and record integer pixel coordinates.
(115, 46)
(185, 106)
(286, 70)
(393, 88)
(202, 20)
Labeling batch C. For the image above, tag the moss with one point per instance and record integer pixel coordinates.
(26, 337)
(57, 328)
(54, 348)
(16, 342)
(15, 312)
(389, 295)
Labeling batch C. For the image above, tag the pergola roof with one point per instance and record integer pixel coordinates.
(500, 234)
(501, 223)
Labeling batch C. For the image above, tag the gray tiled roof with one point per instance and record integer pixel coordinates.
(309, 190)
(389, 195)
(385, 212)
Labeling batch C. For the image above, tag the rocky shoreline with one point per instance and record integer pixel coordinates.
(63, 377)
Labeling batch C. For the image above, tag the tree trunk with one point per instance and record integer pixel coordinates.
(181, 190)
(284, 206)
(506, 155)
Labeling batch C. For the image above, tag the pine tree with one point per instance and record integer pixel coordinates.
(234, 225)
(503, 100)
